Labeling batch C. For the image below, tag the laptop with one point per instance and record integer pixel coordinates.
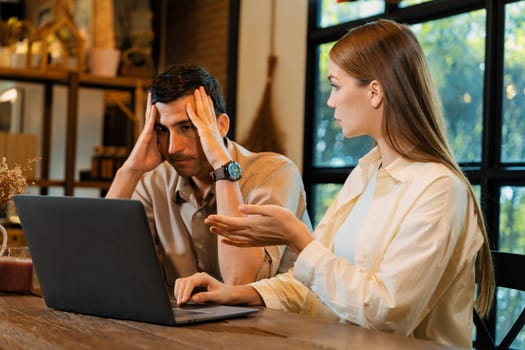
(96, 256)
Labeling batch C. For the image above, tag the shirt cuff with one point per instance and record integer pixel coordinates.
(269, 297)
(306, 262)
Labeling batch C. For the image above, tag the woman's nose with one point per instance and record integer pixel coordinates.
(330, 102)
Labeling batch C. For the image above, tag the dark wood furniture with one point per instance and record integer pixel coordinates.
(27, 323)
(73, 80)
(507, 268)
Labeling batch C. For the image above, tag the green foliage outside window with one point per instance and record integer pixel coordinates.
(324, 196)
(513, 129)
(455, 51)
(511, 239)
(512, 220)
(333, 12)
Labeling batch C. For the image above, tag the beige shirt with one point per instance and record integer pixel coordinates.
(414, 257)
(185, 243)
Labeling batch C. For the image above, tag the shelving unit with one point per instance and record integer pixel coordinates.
(73, 81)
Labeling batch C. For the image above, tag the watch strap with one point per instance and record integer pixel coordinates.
(219, 173)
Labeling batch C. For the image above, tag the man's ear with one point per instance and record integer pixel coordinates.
(223, 121)
(375, 93)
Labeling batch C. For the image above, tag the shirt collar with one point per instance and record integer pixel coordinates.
(397, 169)
(184, 191)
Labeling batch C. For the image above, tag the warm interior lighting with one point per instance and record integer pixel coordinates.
(9, 95)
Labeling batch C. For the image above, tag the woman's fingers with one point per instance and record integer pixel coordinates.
(253, 209)
(268, 211)
(239, 244)
(229, 222)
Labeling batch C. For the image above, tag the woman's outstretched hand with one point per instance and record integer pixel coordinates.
(261, 225)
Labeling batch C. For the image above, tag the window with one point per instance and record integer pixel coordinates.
(475, 50)
(513, 128)
(455, 47)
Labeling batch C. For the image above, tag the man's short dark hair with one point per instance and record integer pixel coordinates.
(181, 80)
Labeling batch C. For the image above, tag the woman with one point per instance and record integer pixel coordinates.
(400, 248)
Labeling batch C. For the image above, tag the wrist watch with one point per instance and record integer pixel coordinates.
(229, 171)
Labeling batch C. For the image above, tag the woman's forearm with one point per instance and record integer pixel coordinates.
(245, 295)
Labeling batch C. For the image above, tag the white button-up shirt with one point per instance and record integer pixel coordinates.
(414, 257)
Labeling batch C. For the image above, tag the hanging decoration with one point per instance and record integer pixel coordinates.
(265, 134)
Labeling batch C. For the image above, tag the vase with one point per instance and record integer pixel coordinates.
(104, 61)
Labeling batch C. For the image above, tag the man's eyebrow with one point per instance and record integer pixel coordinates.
(182, 122)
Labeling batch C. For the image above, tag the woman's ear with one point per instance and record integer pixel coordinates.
(223, 121)
(375, 93)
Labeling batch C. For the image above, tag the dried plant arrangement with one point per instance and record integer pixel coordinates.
(12, 181)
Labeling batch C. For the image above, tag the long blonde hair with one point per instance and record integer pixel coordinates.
(390, 53)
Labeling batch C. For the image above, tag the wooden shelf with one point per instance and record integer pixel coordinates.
(33, 75)
(46, 183)
(120, 83)
(73, 80)
(103, 185)
(62, 77)
(60, 183)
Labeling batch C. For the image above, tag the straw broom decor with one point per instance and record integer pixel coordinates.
(265, 134)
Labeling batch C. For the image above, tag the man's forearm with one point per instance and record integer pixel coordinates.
(237, 265)
(123, 184)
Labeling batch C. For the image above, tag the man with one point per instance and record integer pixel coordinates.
(184, 168)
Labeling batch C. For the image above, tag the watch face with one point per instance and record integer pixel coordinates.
(234, 171)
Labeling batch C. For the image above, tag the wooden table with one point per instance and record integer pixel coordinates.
(27, 323)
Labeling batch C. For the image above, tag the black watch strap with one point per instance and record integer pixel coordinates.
(230, 171)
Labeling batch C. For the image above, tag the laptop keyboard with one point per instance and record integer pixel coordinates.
(189, 309)
(179, 312)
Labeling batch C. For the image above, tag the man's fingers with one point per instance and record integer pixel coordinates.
(186, 293)
(151, 112)
(190, 112)
(185, 287)
(198, 101)
(148, 106)
(236, 243)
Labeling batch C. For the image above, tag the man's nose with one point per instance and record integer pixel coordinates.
(176, 144)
